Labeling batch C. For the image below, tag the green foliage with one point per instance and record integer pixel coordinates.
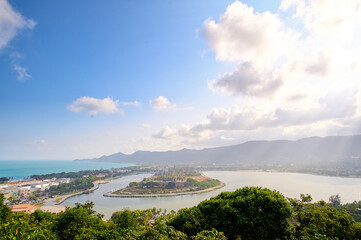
(354, 209)
(171, 185)
(306, 198)
(32, 197)
(40, 218)
(190, 182)
(73, 186)
(160, 231)
(4, 180)
(320, 219)
(129, 219)
(132, 184)
(79, 174)
(324, 220)
(209, 235)
(335, 200)
(176, 175)
(169, 182)
(319, 237)
(77, 221)
(189, 220)
(250, 212)
(5, 211)
(124, 219)
(152, 184)
(20, 226)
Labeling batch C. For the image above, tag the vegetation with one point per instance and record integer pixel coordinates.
(248, 213)
(4, 180)
(201, 185)
(174, 181)
(78, 184)
(177, 174)
(354, 209)
(85, 173)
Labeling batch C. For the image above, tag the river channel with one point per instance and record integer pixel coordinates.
(289, 184)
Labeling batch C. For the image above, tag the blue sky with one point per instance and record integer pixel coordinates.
(82, 79)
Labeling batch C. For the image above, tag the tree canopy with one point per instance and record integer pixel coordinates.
(248, 213)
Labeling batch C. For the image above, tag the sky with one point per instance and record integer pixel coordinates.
(82, 79)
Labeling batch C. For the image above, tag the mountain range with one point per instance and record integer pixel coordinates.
(306, 151)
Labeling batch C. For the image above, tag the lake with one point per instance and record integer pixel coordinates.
(289, 184)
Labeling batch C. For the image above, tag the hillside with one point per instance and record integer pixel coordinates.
(307, 151)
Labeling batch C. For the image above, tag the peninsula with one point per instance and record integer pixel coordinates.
(169, 183)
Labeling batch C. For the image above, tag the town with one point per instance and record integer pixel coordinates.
(29, 194)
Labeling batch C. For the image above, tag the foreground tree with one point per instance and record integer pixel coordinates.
(249, 213)
(5, 211)
(321, 219)
(209, 235)
(124, 219)
(335, 200)
(80, 222)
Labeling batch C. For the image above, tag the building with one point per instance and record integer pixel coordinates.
(28, 208)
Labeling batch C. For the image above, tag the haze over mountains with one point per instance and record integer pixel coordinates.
(306, 151)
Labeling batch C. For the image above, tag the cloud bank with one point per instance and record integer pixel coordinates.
(298, 71)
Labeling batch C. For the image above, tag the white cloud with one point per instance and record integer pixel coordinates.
(161, 103)
(331, 18)
(312, 41)
(11, 22)
(298, 74)
(247, 80)
(165, 133)
(145, 126)
(22, 73)
(243, 35)
(333, 109)
(93, 106)
(304, 60)
(135, 103)
(224, 138)
(258, 41)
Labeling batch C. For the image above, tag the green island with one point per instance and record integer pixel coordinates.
(169, 183)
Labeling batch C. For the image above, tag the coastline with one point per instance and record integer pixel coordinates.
(110, 194)
(96, 186)
(53, 201)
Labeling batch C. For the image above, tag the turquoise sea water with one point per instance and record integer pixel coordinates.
(18, 169)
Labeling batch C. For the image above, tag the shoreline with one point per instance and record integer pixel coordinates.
(281, 171)
(67, 196)
(110, 194)
(96, 186)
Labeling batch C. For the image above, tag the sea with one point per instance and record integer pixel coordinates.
(20, 169)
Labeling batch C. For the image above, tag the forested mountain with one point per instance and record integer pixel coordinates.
(313, 150)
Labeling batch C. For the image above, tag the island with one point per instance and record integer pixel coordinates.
(169, 183)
